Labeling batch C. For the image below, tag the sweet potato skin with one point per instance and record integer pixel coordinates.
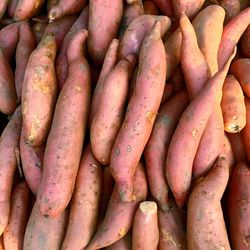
(66, 136)
(85, 202)
(150, 8)
(165, 6)
(158, 143)
(43, 232)
(19, 213)
(246, 130)
(124, 243)
(9, 141)
(104, 21)
(11, 7)
(3, 7)
(245, 43)
(39, 90)
(239, 206)
(141, 113)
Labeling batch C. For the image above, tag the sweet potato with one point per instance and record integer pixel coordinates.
(108, 64)
(124, 243)
(66, 136)
(119, 216)
(246, 130)
(38, 30)
(150, 8)
(194, 65)
(245, 43)
(141, 113)
(233, 106)
(3, 7)
(240, 69)
(109, 115)
(227, 152)
(208, 26)
(165, 6)
(232, 32)
(9, 141)
(39, 90)
(157, 146)
(205, 213)
(172, 227)
(24, 48)
(238, 148)
(134, 35)
(190, 7)
(186, 138)
(84, 203)
(64, 8)
(11, 7)
(31, 159)
(25, 9)
(130, 12)
(9, 36)
(19, 213)
(8, 97)
(233, 7)
(59, 28)
(145, 227)
(104, 21)
(44, 233)
(239, 206)
(1, 243)
(107, 189)
(62, 66)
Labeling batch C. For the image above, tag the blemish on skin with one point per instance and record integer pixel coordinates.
(34, 127)
(167, 236)
(122, 232)
(246, 240)
(129, 149)
(78, 88)
(150, 116)
(117, 151)
(194, 132)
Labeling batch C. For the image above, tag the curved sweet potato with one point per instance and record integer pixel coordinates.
(39, 90)
(66, 136)
(104, 21)
(157, 146)
(110, 113)
(205, 212)
(141, 113)
(19, 213)
(119, 216)
(134, 35)
(84, 202)
(64, 8)
(9, 141)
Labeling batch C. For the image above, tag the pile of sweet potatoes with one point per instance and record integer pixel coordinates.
(125, 124)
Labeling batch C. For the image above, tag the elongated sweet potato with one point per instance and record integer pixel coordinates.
(119, 216)
(134, 35)
(130, 12)
(172, 227)
(190, 7)
(19, 213)
(232, 33)
(165, 6)
(145, 228)
(208, 26)
(11, 7)
(110, 113)
(3, 7)
(246, 130)
(84, 203)
(238, 148)
(239, 206)
(66, 136)
(141, 113)
(157, 146)
(104, 21)
(62, 66)
(8, 99)
(25, 9)
(205, 213)
(39, 90)
(65, 8)
(31, 158)
(9, 141)
(240, 69)
(124, 243)
(59, 28)
(44, 233)
(186, 138)
(108, 64)
(24, 48)
(233, 106)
